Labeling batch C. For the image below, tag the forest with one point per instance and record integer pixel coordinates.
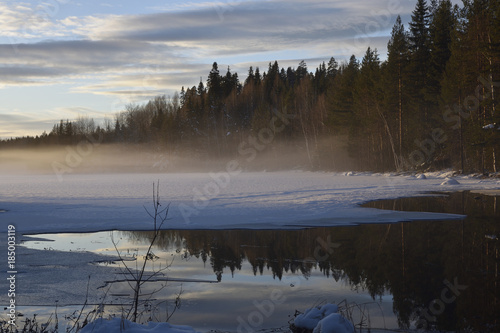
(430, 105)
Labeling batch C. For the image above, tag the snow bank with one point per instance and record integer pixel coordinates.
(123, 325)
(311, 317)
(334, 323)
(222, 200)
(491, 126)
(324, 319)
(450, 181)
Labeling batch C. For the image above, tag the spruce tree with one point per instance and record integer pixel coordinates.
(367, 129)
(441, 27)
(340, 97)
(214, 85)
(396, 78)
(418, 71)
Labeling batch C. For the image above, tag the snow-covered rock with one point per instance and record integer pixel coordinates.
(421, 176)
(489, 126)
(311, 317)
(334, 323)
(122, 325)
(324, 319)
(450, 181)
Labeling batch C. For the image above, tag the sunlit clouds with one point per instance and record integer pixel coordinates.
(105, 55)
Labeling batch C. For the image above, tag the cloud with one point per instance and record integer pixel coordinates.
(140, 56)
(235, 27)
(25, 22)
(19, 124)
(134, 42)
(53, 60)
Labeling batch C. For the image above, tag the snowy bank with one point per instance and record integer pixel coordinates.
(323, 319)
(294, 199)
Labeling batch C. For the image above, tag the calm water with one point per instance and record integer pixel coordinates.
(441, 274)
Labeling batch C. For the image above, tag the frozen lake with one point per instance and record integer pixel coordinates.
(218, 200)
(248, 239)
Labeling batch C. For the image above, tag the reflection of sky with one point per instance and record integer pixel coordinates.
(237, 297)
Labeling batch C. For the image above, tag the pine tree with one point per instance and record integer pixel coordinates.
(215, 105)
(440, 30)
(214, 85)
(250, 77)
(301, 71)
(183, 96)
(366, 137)
(320, 79)
(396, 78)
(340, 96)
(291, 77)
(419, 33)
(258, 78)
(419, 115)
(332, 69)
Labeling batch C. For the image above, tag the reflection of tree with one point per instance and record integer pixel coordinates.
(435, 251)
(409, 260)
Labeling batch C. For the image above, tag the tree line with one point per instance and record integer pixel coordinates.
(431, 104)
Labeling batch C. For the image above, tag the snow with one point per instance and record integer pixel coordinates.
(217, 200)
(324, 319)
(311, 317)
(122, 325)
(490, 126)
(450, 181)
(334, 323)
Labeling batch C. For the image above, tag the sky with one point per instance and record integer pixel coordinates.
(61, 59)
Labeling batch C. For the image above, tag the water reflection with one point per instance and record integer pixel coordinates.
(442, 274)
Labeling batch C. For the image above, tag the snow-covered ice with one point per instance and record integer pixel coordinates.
(93, 202)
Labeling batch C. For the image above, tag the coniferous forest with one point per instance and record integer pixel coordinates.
(432, 104)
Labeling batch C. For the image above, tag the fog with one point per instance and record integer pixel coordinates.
(120, 158)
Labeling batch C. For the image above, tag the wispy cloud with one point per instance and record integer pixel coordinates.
(141, 55)
(118, 42)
